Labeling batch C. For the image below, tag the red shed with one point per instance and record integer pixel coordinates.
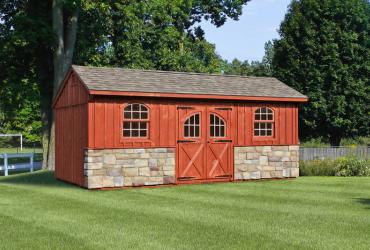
(119, 127)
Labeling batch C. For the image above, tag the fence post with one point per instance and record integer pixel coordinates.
(6, 164)
(31, 162)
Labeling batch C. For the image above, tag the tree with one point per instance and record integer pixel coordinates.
(324, 52)
(38, 41)
(255, 68)
(155, 34)
(37, 45)
(25, 67)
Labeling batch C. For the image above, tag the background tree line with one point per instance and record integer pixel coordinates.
(323, 52)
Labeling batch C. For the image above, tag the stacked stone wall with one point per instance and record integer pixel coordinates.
(107, 168)
(259, 162)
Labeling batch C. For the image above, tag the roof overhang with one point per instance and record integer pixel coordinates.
(173, 95)
(196, 96)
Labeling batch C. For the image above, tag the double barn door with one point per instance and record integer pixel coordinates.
(204, 145)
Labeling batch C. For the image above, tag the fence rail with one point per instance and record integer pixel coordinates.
(309, 154)
(7, 166)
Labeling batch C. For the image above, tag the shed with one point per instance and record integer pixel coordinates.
(119, 127)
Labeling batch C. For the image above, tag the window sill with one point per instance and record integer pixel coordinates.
(264, 138)
(140, 140)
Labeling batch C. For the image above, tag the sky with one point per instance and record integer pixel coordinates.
(244, 39)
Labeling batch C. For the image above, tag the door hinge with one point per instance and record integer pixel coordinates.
(182, 141)
(224, 108)
(186, 178)
(223, 176)
(223, 140)
(185, 107)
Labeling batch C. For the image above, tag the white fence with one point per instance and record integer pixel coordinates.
(309, 154)
(8, 166)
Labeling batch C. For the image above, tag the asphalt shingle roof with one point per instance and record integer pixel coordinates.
(151, 81)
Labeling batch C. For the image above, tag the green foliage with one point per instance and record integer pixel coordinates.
(343, 166)
(314, 143)
(324, 52)
(351, 166)
(317, 168)
(154, 34)
(255, 68)
(25, 34)
(358, 141)
(19, 100)
(347, 142)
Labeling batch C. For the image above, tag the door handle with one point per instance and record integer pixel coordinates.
(223, 140)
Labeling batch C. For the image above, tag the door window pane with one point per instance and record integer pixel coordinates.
(216, 126)
(192, 126)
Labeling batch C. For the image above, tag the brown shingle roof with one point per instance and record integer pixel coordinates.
(150, 81)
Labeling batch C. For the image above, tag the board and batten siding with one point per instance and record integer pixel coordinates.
(70, 112)
(285, 125)
(105, 124)
(105, 121)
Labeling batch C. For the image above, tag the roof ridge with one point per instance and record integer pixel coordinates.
(175, 72)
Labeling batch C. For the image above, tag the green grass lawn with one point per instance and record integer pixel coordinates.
(38, 212)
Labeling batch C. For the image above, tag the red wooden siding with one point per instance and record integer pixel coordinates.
(71, 118)
(285, 125)
(72, 93)
(105, 123)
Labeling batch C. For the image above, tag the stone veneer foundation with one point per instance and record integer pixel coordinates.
(259, 162)
(107, 168)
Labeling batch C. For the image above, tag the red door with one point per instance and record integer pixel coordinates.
(219, 143)
(204, 146)
(191, 143)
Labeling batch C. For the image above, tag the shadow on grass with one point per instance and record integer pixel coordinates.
(41, 178)
(363, 201)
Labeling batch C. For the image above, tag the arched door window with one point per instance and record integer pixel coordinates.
(217, 126)
(135, 120)
(192, 126)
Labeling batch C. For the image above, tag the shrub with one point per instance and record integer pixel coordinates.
(320, 142)
(317, 168)
(351, 166)
(343, 166)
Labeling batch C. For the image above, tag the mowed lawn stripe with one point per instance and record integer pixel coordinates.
(304, 213)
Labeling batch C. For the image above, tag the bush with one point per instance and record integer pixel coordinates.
(343, 166)
(317, 168)
(351, 166)
(320, 142)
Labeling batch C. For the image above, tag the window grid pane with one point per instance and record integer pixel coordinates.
(263, 128)
(264, 114)
(192, 126)
(217, 126)
(138, 128)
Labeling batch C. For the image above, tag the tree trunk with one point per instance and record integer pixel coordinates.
(335, 140)
(62, 59)
(46, 116)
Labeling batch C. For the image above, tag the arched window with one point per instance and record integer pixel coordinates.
(217, 126)
(192, 126)
(135, 120)
(264, 122)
